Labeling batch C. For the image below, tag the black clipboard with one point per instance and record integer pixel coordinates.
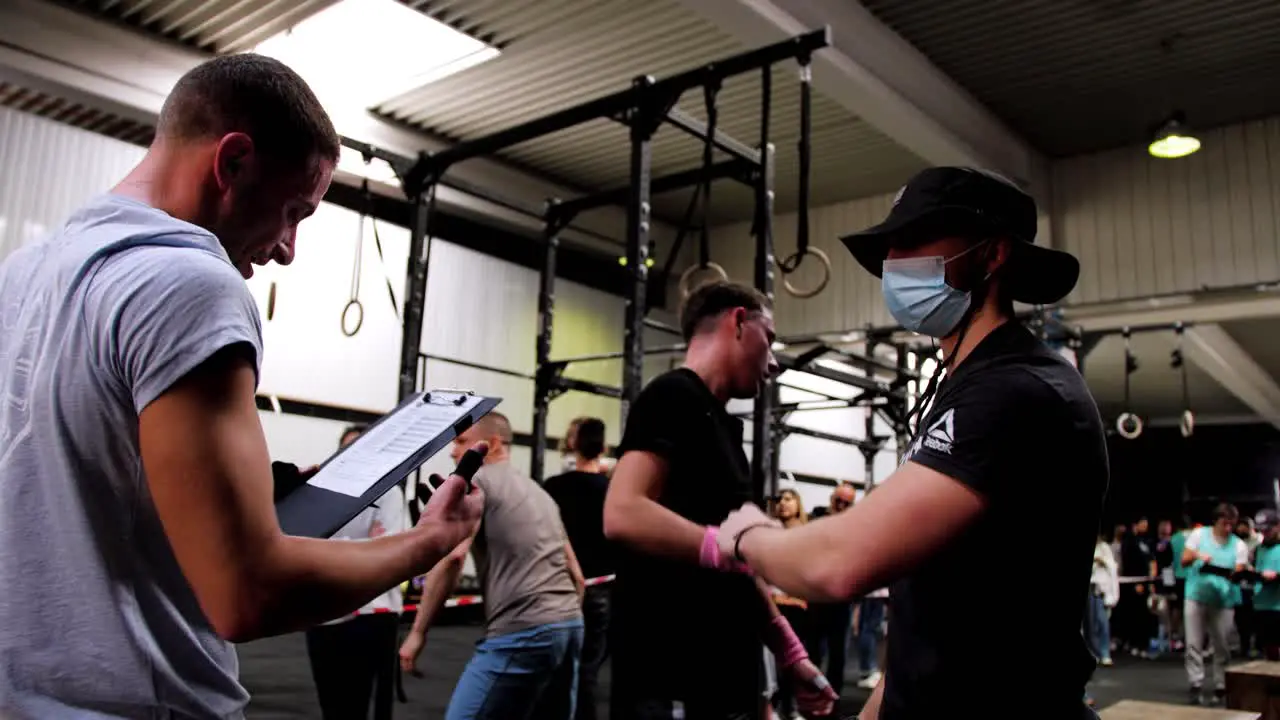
(319, 512)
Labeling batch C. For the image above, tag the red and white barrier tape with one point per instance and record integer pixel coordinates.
(1135, 579)
(465, 600)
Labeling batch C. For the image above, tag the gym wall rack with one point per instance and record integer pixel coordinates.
(646, 106)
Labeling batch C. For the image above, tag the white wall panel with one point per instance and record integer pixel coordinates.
(850, 301)
(298, 439)
(48, 169)
(1143, 226)
(820, 457)
(306, 355)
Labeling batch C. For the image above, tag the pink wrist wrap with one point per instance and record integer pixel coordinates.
(709, 554)
(788, 646)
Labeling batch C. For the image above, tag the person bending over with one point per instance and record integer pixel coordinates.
(1211, 599)
(580, 495)
(134, 463)
(689, 629)
(527, 664)
(353, 658)
(1010, 433)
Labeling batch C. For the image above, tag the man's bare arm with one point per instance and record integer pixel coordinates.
(837, 558)
(207, 467)
(633, 516)
(871, 711)
(438, 585)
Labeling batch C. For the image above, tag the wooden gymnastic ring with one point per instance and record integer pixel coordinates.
(271, 302)
(823, 258)
(1188, 423)
(1129, 425)
(686, 286)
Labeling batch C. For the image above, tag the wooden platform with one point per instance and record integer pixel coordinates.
(1140, 710)
(1255, 686)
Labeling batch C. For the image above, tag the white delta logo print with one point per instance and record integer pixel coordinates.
(941, 435)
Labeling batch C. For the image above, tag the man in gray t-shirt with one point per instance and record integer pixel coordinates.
(134, 474)
(527, 665)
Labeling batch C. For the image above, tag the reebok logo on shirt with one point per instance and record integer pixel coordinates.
(941, 435)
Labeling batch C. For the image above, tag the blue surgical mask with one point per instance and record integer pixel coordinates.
(919, 298)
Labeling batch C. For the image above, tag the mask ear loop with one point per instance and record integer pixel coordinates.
(935, 378)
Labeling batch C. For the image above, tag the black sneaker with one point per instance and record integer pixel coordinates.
(1219, 697)
(1196, 698)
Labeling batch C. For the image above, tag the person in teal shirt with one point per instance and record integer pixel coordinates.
(1211, 599)
(1266, 594)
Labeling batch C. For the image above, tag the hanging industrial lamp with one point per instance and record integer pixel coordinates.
(1173, 139)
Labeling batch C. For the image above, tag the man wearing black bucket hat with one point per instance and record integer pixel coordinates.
(1008, 433)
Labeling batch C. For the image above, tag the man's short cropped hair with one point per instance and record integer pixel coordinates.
(254, 94)
(711, 300)
(495, 423)
(590, 438)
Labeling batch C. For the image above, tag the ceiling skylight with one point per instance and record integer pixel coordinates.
(358, 53)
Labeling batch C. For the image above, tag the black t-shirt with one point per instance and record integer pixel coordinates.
(1164, 562)
(674, 623)
(1016, 423)
(1136, 554)
(580, 496)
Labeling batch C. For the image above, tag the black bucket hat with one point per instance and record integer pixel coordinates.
(957, 200)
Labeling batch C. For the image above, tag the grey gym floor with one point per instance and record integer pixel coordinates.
(277, 675)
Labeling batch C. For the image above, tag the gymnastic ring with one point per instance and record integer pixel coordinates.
(1129, 425)
(353, 303)
(1188, 423)
(686, 285)
(826, 273)
(271, 302)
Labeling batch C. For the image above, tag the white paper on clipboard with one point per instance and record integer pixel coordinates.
(385, 446)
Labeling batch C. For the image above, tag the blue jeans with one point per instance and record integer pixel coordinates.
(1099, 630)
(870, 617)
(527, 675)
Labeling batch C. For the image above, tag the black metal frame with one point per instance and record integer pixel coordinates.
(644, 108)
(888, 399)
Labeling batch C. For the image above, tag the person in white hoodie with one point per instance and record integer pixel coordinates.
(1104, 592)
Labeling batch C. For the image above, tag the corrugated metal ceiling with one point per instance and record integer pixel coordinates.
(557, 53)
(210, 25)
(54, 108)
(1076, 77)
(563, 52)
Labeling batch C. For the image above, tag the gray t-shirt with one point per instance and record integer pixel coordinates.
(520, 556)
(97, 321)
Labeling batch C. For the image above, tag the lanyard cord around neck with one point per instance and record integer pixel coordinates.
(935, 379)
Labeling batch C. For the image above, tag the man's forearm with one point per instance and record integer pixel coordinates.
(436, 588)
(651, 528)
(304, 581)
(871, 711)
(801, 561)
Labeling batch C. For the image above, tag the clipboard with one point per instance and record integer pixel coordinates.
(387, 453)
